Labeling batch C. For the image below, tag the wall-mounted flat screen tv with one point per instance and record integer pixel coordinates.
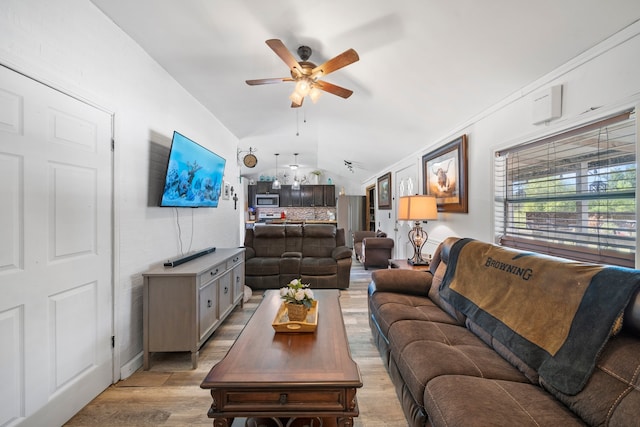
(194, 175)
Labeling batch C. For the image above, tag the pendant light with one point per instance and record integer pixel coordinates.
(296, 183)
(276, 182)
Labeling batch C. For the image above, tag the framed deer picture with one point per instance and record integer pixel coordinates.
(445, 175)
(384, 191)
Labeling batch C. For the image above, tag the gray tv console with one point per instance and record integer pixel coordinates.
(183, 305)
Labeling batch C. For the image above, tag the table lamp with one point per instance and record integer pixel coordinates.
(417, 208)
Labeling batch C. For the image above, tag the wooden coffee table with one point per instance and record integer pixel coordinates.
(286, 376)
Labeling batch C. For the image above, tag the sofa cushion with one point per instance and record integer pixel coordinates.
(318, 266)
(269, 231)
(269, 241)
(262, 266)
(319, 240)
(320, 230)
(294, 238)
(290, 265)
(611, 397)
(390, 307)
(454, 400)
(503, 351)
(425, 350)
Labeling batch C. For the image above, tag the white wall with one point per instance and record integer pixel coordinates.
(72, 46)
(606, 77)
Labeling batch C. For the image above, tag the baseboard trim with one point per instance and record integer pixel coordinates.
(131, 366)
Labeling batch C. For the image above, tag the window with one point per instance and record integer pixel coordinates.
(571, 195)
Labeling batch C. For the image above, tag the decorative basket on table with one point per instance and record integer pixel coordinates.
(298, 312)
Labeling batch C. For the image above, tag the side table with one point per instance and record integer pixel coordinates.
(404, 265)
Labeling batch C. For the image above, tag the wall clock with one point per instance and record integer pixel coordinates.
(250, 160)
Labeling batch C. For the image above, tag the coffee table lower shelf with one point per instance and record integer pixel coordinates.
(292, 414)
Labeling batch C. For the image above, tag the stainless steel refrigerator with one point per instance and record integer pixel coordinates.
(350, 215)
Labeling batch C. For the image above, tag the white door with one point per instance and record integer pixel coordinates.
(55, 253)
(406, 183)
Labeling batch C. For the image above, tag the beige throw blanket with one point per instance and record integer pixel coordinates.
(554, 314)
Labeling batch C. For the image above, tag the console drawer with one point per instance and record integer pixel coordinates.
(211, 274)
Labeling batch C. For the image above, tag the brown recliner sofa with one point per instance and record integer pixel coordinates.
(450, 368)
(314, 253)
(372, 248)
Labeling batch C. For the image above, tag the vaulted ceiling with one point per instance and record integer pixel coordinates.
(426, 66)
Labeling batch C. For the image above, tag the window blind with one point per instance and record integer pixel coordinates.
(571, 195)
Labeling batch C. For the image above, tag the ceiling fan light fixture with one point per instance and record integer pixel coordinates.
(296, 98)
(304, 86)
(307, 75)
(315, 94)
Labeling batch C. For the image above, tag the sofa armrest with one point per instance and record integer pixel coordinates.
(341, 252)
(377, 242)
(249, 252)
(291, 255)
(359, 235)
(412, 282)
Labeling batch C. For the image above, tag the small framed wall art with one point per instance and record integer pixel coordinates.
(445, 175)
(384, 191)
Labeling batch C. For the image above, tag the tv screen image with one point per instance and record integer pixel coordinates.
(194, 175)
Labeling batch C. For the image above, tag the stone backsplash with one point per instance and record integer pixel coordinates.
(300, 214)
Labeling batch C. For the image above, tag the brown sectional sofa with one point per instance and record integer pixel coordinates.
(452, 365)
(315, 253)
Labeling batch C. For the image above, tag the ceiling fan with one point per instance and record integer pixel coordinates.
(307, 75)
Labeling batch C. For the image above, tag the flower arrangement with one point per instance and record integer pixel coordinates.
(297, 292)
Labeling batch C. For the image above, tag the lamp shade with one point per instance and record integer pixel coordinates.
(417, 208)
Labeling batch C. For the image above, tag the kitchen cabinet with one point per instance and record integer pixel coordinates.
(307, 196)
(330, 195)
(264, 187)
(289, 197)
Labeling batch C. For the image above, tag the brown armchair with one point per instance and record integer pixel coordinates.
(372, 248)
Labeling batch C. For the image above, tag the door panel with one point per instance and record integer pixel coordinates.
(56, 308)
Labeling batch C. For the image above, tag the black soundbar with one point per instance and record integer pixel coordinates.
(184, 259)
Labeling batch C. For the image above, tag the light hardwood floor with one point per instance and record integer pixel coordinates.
(169, 394)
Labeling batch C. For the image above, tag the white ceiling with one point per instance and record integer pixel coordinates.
(426, 66)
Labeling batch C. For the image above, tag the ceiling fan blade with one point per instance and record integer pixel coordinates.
(345, 58)
(281, 50)
(268, 81)
(334, 89)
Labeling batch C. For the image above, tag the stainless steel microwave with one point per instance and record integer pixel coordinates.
(267, 201)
